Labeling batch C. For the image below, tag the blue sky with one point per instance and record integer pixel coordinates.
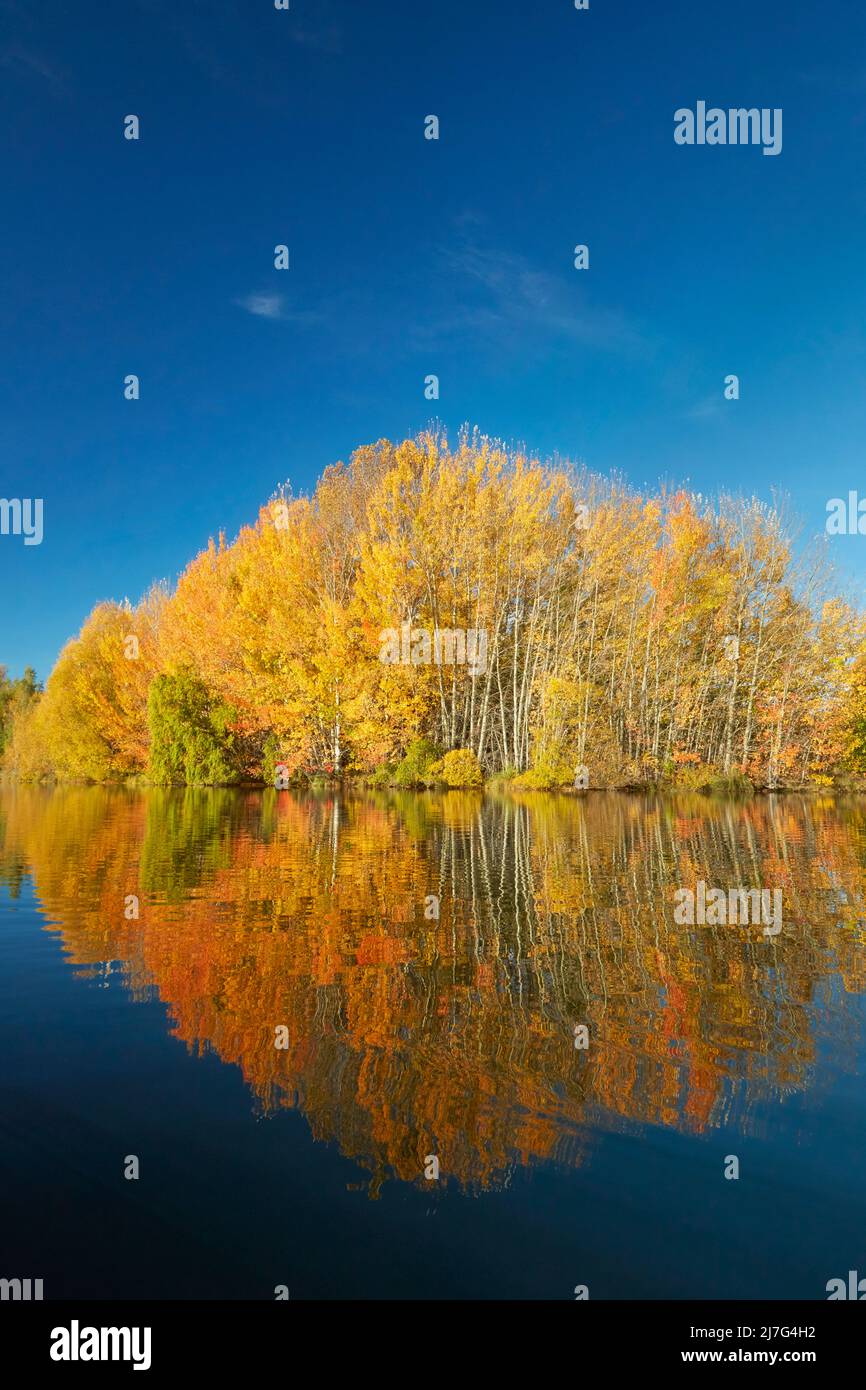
(411, 257)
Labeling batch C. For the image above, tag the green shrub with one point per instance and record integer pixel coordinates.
(191, 738)
(271, 755)
(734, 784)
(500, 780)
(415, 766)
(379, 778)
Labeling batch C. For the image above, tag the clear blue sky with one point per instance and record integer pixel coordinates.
(411, 257)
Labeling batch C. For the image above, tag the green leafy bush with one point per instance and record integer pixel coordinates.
(734, 784)
(415, 766)
(191, 737)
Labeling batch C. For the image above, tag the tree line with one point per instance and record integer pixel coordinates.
(642, 638)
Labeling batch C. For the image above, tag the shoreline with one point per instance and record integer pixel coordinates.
(492, 787)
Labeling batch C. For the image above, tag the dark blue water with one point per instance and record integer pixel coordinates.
(154, 1037)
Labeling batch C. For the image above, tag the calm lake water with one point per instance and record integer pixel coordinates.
(410, 1035)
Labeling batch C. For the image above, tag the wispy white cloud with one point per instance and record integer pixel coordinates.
(273, 306)
(499, 294)
(16, 55)
(264, 306)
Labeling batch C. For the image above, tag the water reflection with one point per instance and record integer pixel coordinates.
(411, 1035)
